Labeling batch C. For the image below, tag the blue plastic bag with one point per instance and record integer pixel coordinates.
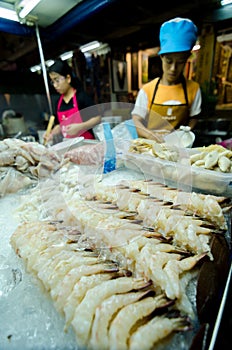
(110, 152)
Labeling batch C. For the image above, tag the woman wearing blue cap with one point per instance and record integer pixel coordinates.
(166, 103)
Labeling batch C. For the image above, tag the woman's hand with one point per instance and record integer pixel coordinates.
(144, 132)
(74, 129)
(55, 131)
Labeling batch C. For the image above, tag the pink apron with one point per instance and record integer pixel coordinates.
(69, 117)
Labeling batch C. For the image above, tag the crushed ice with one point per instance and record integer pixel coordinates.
(28, 319)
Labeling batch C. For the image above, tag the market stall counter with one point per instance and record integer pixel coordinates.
(111, 261)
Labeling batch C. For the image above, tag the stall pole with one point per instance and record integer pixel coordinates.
(43, 69)
(221, 310)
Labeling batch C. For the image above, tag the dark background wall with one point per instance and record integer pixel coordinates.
(25, 93)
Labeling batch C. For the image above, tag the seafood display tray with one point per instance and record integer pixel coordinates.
(180, 175)
(36, 309)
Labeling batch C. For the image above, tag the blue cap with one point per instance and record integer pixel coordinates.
(177, 35)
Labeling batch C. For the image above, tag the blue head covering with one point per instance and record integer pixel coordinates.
(177, 35)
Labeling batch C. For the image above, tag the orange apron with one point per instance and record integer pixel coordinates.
(167, 117)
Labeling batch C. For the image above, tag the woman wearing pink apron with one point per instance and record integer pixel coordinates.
(71, 116)
(75, 111)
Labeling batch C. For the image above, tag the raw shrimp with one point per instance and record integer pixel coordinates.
(8, 157)
(121, 325)
(41, 154)
(173, 269)
(50, 257)
(21, 163)
(26, 230)
(184, 303)
(37, 259)
(113, 232)
(194, 201)
(215, 211)
(224, 164)
(84, 313)
(192, 240)
(132, 250)
(103, 315)
(39, 243)
(65, 285)
(79, 290)
(134, 246)
(53, 275)
(62, 269)
(12, 180)
(152, 266)
(155, 330)
(44, 255)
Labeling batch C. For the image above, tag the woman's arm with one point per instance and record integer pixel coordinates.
(195, 110)
(74, 129)
(144, 132)
(192, 123)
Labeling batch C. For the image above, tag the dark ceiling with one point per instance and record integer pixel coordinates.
(126, 25)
